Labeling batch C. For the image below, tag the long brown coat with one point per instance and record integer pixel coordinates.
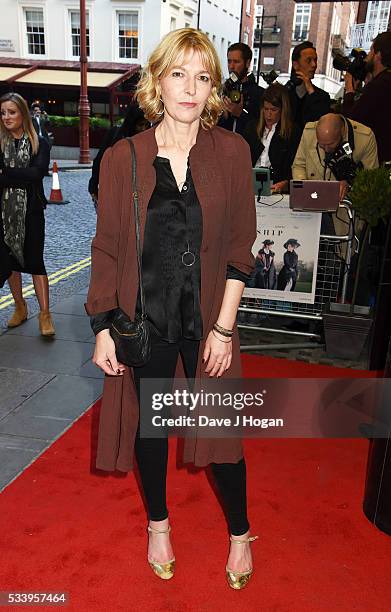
(221, 170)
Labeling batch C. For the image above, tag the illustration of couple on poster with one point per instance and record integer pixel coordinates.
(265, 274)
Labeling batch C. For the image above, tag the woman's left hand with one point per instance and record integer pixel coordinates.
(217, 354)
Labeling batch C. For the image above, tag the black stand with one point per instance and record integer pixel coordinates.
(382, 321)
(377, 500)
(377, 497)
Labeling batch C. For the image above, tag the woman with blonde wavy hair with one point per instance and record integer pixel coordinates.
(197, 227)
(24, 161)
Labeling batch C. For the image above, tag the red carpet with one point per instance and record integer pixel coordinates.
(68, 529)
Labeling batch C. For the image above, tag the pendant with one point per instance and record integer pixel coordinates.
(188, 257)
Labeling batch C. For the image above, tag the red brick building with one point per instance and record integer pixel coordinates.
(247, 22)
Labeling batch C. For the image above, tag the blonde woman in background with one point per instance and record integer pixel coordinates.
(24, 161)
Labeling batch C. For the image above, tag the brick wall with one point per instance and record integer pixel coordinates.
(248, 22)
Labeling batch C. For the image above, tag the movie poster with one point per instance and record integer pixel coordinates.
(286, 253)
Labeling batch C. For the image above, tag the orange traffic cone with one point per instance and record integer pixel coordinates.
(56, 194)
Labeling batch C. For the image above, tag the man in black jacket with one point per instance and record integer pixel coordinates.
(236, 114)
(373, 106)
(308, 102)
(41, 123)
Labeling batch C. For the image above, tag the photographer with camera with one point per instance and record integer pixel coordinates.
(241, 95)
(373, 106)
(334, 148)
(308, 102)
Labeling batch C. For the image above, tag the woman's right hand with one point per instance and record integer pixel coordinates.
(104, 354)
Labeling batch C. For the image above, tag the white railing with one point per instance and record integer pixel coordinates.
(362, 34)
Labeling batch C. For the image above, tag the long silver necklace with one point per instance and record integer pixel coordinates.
(188, 257)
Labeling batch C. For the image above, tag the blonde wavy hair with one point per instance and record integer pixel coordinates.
(174, 45)
(28, 127)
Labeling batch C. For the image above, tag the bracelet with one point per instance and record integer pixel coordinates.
(225, 341)
(223, 331)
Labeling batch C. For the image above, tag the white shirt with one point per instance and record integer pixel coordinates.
(37, 119)
(263, 160)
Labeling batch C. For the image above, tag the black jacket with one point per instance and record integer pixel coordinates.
(45, 127)
(309, 108)
(31, 179)
(281, 152)
(109, 140)
(252, 96)
(373, 109)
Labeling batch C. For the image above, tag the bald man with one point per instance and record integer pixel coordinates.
(325, 136)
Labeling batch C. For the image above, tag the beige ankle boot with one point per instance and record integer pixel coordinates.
(19, 315)
(46, 326)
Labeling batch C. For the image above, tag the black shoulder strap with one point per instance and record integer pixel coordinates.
(137, 225)
(350, 132)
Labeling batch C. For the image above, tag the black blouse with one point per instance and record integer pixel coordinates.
(172, 239)
(171, 257)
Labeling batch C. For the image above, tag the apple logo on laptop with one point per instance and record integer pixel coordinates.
(314, 195)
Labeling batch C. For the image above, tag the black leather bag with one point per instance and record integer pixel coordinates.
(132, 339)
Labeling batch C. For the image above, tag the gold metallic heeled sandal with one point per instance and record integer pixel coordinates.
(238, 580)
(163, 570)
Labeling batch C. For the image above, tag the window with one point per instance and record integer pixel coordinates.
(173, 24)
(255, 59)
(75, 33)
(245, 38)
(379, 10)
(248, 7)
(128, 35)
(35, 32)
(301, 22)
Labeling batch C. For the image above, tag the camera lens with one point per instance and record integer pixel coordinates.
(234, 95)
(340, 62)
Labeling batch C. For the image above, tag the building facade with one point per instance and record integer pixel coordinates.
(40, 46)
(372, 19)
(247, 22)
(287, 23)
(118, 30)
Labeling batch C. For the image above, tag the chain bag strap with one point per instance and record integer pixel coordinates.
(132, 339)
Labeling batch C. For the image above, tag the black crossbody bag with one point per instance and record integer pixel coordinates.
(132, 339)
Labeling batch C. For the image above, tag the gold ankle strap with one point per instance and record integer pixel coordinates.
(250, 539)
(151, 529)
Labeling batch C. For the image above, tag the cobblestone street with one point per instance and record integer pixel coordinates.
(69, 230)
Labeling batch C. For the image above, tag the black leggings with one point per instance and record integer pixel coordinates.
(152, 453)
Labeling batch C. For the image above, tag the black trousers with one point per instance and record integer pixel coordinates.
(152, 453)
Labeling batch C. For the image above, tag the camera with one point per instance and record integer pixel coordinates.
(233, 87)
(342, 164)
(356, 67)
(269, 77)
(294, 81)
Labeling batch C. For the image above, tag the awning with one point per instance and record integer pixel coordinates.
(70, 78)
(8, 72)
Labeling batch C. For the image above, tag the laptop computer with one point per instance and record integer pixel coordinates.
(316, 196)
(261, 181)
